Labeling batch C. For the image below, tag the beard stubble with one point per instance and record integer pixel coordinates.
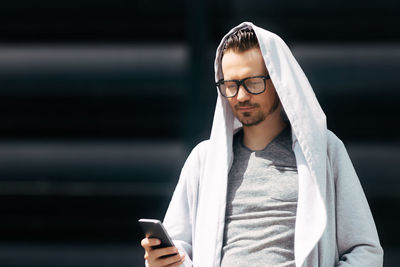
(259, 116)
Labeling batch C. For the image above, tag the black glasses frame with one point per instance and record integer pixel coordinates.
(241, 82)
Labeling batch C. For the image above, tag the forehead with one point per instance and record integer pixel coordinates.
(239, 65)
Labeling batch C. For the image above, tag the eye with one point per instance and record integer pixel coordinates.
(230, 85)
(254, 82)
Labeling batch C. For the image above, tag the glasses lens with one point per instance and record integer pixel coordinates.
(228, 89)
(255, 85)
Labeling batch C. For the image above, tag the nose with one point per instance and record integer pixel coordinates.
(242, 94)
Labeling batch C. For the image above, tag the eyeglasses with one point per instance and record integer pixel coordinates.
(254, 85)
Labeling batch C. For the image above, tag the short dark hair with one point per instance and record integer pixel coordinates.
(241, 40)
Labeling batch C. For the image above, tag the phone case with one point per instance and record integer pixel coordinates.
(154, 228)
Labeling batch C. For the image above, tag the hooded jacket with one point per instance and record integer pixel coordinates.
(334, 225)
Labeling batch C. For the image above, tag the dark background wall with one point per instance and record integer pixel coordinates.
(101, 102)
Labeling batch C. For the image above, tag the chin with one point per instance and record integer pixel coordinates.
(248, 122)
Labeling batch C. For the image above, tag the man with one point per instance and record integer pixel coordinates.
(272, 186)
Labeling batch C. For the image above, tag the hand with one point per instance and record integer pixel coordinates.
(154, 256)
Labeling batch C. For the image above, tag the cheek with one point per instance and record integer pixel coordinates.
(272, 92)
(263, 99)
(232, 104)
(271, 95)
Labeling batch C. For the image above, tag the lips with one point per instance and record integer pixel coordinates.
(245, 108)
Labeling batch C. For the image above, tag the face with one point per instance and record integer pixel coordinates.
(248, 108)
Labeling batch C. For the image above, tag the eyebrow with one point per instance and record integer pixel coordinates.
(231, 79)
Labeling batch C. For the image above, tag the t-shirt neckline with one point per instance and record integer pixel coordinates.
(240, 137)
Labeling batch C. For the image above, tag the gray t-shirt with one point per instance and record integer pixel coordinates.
(261, 205)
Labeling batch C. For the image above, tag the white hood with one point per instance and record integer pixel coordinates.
(308, 124)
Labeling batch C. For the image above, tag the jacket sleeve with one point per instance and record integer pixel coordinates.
(181, 212)
(356, 236)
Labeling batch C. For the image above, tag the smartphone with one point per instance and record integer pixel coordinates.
(154, 228)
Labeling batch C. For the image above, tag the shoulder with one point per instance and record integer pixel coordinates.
(200, 150)
(333, 139)
(334, 144)
(336, 149)
(192, 169)
(202, 147)
(197, 155)
(338, 156)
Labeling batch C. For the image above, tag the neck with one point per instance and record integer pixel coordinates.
(257, 137)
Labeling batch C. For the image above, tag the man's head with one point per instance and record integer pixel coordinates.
(241, 40)
(241, 59)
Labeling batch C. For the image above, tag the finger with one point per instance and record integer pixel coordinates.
(171, 261)
(147, 243)
(159, 252)
(146, 255)
(179, 263)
